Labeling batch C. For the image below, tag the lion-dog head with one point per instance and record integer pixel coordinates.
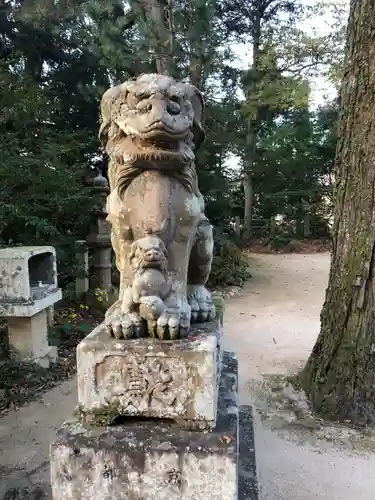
(151, 122)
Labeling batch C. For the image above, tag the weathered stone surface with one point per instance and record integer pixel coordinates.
(146, 377)
(28, 287)
(29, 337)
(248, 488)
(99, 238)
(151, 460)
(28, 280)
(151, 128)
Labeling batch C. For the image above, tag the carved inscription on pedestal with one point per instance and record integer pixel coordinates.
(144, 384)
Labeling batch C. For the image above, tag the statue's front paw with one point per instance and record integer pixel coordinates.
(150, 309)
(174, 322)
(123, 325)
(200, 300)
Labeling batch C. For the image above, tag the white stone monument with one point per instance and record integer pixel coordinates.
(28, 287)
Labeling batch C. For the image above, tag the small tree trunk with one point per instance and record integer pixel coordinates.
(299, 226)
(340, 373)
(273, 226)
(237, 227)
(248, 214)
(306, 226)
(306, 219)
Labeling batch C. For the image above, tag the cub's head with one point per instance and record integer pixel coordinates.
(148, 253)
(152, 118)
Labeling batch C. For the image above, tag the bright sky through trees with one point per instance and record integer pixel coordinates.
(333, 14)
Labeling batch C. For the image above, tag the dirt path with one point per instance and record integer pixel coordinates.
(272, 327)
(274, 323)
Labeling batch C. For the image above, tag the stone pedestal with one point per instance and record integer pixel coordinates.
(146, 377)
(29, 337)
(50, 316)
(151, 459)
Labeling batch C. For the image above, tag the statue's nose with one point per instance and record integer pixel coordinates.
(152, 253)
(159, 108)
(152, 106)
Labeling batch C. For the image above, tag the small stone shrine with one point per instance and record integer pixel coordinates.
(28, 287)
(157, 415)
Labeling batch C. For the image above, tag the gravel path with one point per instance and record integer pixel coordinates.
(273, 327)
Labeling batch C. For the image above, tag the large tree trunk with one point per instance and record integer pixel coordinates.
(340, 373)
(158, 13)
(251, 135)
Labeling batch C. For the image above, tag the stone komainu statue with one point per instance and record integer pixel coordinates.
(150, 129)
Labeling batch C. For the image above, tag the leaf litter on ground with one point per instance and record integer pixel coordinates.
(25, 381)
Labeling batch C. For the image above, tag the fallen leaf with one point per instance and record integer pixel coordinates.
(226, 439)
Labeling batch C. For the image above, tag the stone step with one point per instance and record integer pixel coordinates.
(22, 484)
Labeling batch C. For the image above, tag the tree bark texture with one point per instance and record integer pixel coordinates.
(248, 213)
(251, 138)
(158, 14)
(340, 373)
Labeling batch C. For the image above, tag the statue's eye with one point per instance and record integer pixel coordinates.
(132, 100)
(174, 106)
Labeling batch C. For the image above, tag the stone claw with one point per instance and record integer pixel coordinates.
(152, 327)
(123, 325)
(173, 324)
(150, 309)
(202, 307)
(194, 309)
(117, 329)
(184, 325)
(167, 324)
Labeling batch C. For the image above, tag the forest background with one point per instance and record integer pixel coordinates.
(264, 67)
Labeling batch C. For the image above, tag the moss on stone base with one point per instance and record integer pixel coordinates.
(100, 417)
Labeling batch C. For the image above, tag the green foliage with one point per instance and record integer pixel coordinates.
(283, 58)
(41, 172)
(229, 267)
(58, 58)
(294, 164)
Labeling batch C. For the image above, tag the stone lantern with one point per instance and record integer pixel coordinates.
(99, 239)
